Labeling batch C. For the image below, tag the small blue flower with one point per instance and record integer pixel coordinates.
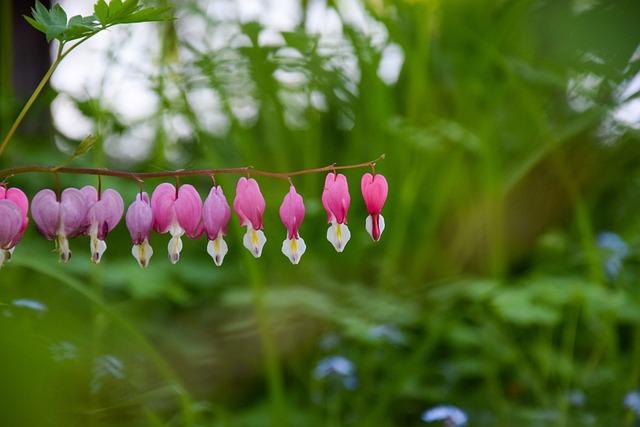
(30, 304)
(449, 415)
(337, 368)
(632, 401)
(615, 250)
(387, 333)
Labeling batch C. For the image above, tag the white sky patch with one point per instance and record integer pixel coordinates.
(354, 14)
(207, 105)
(323, 21)
(270, 37)
(391, 63)
(70, 122)
(628, 113)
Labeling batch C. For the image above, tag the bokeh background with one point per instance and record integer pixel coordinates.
(505, 283)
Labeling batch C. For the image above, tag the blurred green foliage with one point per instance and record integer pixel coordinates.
(511, 143)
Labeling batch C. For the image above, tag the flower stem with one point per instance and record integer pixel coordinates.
(45, 79)
(31, 100)
(140, 176)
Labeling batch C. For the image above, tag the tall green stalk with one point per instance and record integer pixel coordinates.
(270, 355)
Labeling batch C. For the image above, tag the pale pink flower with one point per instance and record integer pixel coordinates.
(291, 215)
(14, 207)
(177, 212)
(61, 218)
(215, 215)
(104, 213)
(249, 205)
(336, 200)
(139, 221)
(374, 191)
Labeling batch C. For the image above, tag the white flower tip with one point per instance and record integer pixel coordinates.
(368, 225)
(63, 248)
(97, 247)
(217, 248)
(142, 253)
(254, 240)
(175, 247)
(338, 235)
(294, 249)
(6, 255)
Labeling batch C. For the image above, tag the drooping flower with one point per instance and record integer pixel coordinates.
(249, 205)
(177, 212)
(104, 213)
(139, 221)
(336, 200)
(14, 207)
(215, 215)
(60, 219)
(374, 191)
(450, 415)
(291, 215)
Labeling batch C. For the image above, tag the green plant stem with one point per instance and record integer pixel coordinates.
(30, 101)
(272, 365)
(45, 79)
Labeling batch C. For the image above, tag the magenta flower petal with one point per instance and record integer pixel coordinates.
(188, 208)
(60, 219)
(216, 213)
(10, 224)
(215, 217)
(177, 212)
(73, 212)
(162, 201)
(104, 213)
(139, 221)
(21, 201)
(139, 218)
(374, 191)
(249, 203)
(336, 198)
(292, 212)
(45, 210)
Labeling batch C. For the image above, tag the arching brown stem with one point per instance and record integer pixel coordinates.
(139, 176)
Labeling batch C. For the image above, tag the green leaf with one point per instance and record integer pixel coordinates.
(114, 8)
(53, 23)
(101, 11)
(81, 26)
(84, 146)
(35, 24)
(148, 15)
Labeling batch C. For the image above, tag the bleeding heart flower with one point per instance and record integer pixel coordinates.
(139, 221)
(105, 212)
(177, 212)
(249, 205)
(61, 219)
(215, 215)
(291, 215)
(336, 200)
(374, 191)
(14, 207)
